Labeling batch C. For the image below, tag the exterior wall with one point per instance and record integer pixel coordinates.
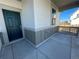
(12, 3)
(44, 34)
(37, 37)
(28, 14)
(43, 14)
(2, 27)
(30, 35)
(42, 10)
(36, 14)
(36, 19)
(57, 13)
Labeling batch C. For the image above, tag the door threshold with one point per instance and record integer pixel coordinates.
(15, 41)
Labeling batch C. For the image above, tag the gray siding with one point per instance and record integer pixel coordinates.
(36, 37)
(30, 35)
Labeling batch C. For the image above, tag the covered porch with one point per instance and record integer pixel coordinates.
(41, 37)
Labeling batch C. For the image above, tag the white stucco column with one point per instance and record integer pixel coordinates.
(58, 18)
(28, 17)
(36, 14)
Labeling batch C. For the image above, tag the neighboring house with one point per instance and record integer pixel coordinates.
(74, 19)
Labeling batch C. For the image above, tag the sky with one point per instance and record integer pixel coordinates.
(65, 15)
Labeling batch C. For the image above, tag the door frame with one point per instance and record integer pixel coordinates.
(11, 42)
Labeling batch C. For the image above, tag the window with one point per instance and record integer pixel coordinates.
(53, 17)
(78, 15)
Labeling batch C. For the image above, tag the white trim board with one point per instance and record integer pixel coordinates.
(13, 42)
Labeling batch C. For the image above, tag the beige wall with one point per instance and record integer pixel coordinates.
(11, 3)
(42, 10)
(36, 14)
(28, 18)
(43, 14)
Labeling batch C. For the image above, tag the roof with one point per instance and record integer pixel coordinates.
(66, 4)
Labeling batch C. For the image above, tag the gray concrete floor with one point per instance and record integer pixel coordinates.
(59, 46)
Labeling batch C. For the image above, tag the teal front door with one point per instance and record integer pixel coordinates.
(13, 24)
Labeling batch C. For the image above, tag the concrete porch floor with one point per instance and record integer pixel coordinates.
(59, 46)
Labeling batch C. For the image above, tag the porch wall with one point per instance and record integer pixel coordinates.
(37, 37)
(12, 3)
(36, 18)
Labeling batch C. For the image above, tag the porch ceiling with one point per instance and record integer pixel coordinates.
(65, 4)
